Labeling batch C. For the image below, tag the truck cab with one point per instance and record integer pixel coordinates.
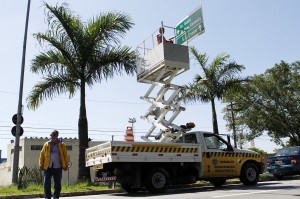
(220, 159)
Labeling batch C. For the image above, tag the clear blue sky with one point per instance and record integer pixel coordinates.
(255, 33)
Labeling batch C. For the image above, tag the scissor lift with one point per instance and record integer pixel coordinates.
(158, 66)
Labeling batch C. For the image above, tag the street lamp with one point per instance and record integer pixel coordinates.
(132, 120)
(19, 114)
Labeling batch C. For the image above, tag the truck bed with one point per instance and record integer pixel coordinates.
(120, 151)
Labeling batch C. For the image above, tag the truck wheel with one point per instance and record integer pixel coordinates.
(129, 189)
(157, 180)
(218, 182)
(249, 174)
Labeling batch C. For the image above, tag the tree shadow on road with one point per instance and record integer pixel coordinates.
(205, 188)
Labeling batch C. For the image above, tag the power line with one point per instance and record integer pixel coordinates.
(9, 92)
(114, 102)
(90, 100)
(65, 129)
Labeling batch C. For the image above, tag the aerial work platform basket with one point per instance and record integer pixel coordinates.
(165, 56)
(158, 64)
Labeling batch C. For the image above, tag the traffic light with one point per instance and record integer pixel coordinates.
(14, 129)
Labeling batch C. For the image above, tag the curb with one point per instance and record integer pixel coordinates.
(86, 193)
(68, 194)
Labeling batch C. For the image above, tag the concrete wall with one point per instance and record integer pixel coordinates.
(29, 157)
(5, 174)
(6, 168)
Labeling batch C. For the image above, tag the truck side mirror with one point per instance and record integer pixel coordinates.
(228, 139)
(229, 147)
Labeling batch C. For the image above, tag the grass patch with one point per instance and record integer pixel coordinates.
(84, 186)
(266, 177)
(39, 189)
(13, 190)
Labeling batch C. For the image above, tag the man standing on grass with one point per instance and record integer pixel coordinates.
(53, 158)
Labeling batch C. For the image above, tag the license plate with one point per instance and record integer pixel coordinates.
(105, 179)
(278, 162)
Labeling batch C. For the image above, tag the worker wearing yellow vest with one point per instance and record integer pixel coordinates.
(53, 158)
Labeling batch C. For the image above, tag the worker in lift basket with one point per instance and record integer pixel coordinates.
(160, 36)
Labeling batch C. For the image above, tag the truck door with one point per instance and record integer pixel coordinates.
(218, 157)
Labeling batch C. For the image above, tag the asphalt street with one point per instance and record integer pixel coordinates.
(285, 189)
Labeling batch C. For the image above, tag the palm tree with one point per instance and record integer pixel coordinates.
(78, 55)
(218, 78)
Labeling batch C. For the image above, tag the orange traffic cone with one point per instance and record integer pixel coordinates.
(129, 137)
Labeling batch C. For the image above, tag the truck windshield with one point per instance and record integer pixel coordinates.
(214, 142)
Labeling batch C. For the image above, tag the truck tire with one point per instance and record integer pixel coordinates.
(217, 182)
(249, 174)
(129, 189)
(157, 180)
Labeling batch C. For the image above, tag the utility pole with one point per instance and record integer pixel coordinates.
(19, 113)
(233, 125)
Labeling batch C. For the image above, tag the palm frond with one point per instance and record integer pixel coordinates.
(107, 27)
(198, 78)
(217, 65)
(191, 93)
(60, 45)
(50, 62)
(201, 58)
(230, 70)
(50, 87)
(112, 61)
(63, 22)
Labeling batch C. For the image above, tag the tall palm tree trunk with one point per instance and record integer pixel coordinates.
(83, 172)
(214, 117)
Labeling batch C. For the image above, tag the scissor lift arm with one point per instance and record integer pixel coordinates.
(159, 67)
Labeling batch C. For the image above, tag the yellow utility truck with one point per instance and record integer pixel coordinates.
(202, 156)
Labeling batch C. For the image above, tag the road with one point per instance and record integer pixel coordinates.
(285, 189)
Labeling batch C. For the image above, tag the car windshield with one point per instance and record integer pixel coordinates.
(289, 151)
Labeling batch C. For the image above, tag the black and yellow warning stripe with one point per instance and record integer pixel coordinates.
(153, 149)
(230, 154)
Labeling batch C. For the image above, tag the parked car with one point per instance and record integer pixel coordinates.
(285, 163)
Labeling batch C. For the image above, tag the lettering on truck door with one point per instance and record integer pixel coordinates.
(218, 158)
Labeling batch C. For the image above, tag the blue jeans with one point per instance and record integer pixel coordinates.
(57, 175)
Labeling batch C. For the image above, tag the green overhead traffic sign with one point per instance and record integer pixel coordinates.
(190, 27)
